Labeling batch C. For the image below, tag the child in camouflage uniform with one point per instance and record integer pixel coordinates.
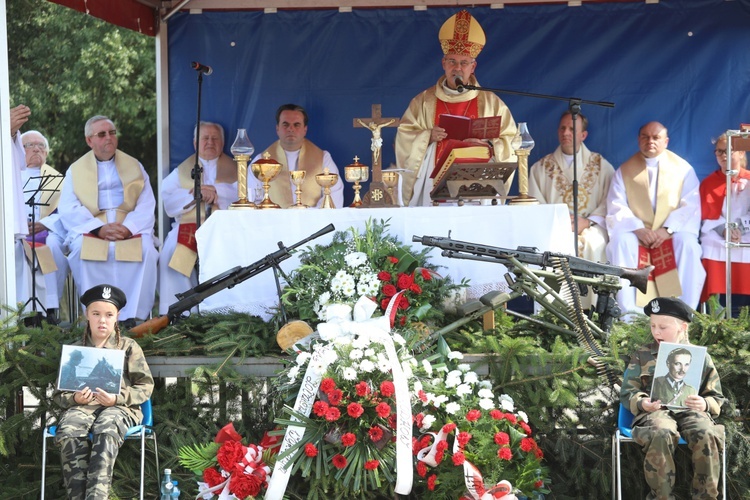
(87, 465)
(658, 429)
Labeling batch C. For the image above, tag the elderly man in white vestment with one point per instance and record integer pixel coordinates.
(48, 232)
(653, 217)
(419, 141)
(294, 152)
(177, 271)
(18, 116)
(107, 206)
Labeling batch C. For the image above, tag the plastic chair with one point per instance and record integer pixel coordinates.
(144, 430)
(624, 434)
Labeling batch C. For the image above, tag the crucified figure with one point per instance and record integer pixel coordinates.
(377, 140)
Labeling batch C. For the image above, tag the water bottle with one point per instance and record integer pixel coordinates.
(175, 490)
(166, 485)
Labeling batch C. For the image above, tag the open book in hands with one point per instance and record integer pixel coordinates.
(462, 127)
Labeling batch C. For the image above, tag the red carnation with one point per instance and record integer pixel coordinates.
(425, 441)
(320, 408)
(393, 421)
(511, 418)
(459, 458)
(496, 414)
(422, 396)
(528, 444)
(383, 410)
(348, 439)
(384, 276)
(387, 388)
(431, 482)
(333, 414)
(538, 453)
(402, 320)
(418, 419)
(376, 434)
(311, 450)
(339, 461)
(448, 428)
(246, 485)
(335, 396)
(393, 260)
(421, 469)
(426, 273)
(404, 281)
(229, 454)
(463, 438)
(525, 427)
(502, 438)
(439, 456)
(355, 410)
(327, 385)
(473, 415)
(415, 288)
(372, 464)
(389, 290)
(362, 388)
(442, 445)
(212, 477)
(538, 484)
(504, 453)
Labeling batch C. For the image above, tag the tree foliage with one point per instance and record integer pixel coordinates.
(68, 66)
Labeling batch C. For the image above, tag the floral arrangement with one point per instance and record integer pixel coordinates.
(228, 468)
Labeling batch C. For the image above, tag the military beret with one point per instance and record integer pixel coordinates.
(668, 306)
(104, 293)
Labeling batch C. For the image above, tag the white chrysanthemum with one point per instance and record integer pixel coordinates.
(463, 390)
(293, 372)
(336, 285)
(355, 354)
(440, 400)
(355, 259)
(427, 422)
(486, 404)
(470, 377)
(342, 341)
(427, 366)
(452, 381)
(485, 384)
(302, 358)
(349, 373)
(506, 403)
(370, 352)
(454, 373)
(455, 355)
(362, 341)
(523, 416)
(452, 408)
(486, 393)
(324, 298)
(342, 275)
(317, 366)
(367, 366)
(383, 364)
(330, 356)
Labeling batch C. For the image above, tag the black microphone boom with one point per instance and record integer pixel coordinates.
(459, 83)
(206, 70)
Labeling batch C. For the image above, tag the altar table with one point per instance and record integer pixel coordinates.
(232, 238)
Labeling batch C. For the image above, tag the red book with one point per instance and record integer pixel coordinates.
(462, 127)
(460, 152)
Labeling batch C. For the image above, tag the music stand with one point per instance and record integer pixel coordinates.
(48, 185)
(473, 181)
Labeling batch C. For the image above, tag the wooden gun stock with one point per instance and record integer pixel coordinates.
(151, 326)
(638, 277)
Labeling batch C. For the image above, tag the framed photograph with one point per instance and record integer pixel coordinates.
(90, 367)
(678, 373)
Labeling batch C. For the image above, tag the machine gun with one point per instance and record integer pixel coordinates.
(191, 298)
(570, 272)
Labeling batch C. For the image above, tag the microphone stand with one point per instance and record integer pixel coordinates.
(197, 168)
(574, 105)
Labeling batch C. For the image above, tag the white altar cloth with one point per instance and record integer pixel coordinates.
(239, 238)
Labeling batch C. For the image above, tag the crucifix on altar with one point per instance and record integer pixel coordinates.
(380, 193)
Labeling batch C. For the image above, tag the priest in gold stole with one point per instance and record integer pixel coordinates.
(177, 271)
(108, 209)
(653, 217)
(418, 140)
(294, 152)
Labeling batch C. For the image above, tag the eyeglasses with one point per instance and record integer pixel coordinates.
(720, 152)
(103, 134)
(463, 64)
(32, 145)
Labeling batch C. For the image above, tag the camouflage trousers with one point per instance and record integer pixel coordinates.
(659, 434)
(87, 465)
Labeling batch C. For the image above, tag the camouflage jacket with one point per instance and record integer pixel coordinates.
(137, 382)
(638, 378)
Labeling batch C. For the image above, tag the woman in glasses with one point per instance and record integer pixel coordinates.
(713, 191)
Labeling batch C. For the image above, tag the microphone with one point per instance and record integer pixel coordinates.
(206, 70)
(459, 83)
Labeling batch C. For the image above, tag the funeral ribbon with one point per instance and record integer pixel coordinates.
(339, 326)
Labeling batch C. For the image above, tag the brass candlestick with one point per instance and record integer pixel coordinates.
(356, 173)
(242, 149)
(390, 179)
(265, 170)
(298, 177)
(523, 143)
(326, 180)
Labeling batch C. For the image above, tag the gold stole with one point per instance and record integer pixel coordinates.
(311, 161)
(86, 188)
(664, 281)
(43, 253)
(185, 253)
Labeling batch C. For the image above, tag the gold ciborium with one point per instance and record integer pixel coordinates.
(356, 173)
(242, 150)
(326, 180)
(265, 170)
(390, 179)
(298, 177)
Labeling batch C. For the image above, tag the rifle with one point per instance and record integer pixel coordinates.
(191, 298)
(529, 255)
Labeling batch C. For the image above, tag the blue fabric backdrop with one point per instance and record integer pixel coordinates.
(685, 63)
